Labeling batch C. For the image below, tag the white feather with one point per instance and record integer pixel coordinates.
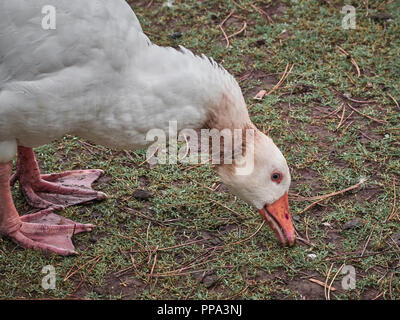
(96, 76)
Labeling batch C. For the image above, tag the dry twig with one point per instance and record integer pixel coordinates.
(318, 199)
(352, 60)
(87, 274)
(330, 288)
(263, 93)
(222, 28)
(240, 31)
(329, 195)
(394, 211)
(368, 240)
(326, 282)
(342, 117)
(322, 284)
(263, 13)
(367, 116)
(395, 101)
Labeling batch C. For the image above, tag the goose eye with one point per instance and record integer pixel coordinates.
(276, 176)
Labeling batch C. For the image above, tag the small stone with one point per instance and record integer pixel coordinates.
(296, 218)
(312, 256)
(210, 280)
(396, 238)
(141, 194)
(95, 214)
(93, 238)
(327, 224)
(381, 16)
(354, 223)
(260, 42)
(168, 4)
(176, 35)
(99, 291)
(216, 241)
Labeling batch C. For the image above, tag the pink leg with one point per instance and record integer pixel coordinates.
(43, 230)
(53, 190)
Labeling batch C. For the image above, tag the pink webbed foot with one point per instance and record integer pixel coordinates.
(48, 232)
(43, 230)
(63, 189)
(54, 190)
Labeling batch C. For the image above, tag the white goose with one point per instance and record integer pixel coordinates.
(97, 76)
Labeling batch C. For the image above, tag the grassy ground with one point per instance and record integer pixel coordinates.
(134, 252)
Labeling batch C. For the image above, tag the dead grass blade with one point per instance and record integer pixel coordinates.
(342, 117)
(222, 28)
(367, 242)
(394, 211)
(318, 199)
(394, 100)
(262, 12)
(322, 284)
(240, 31)
(87, 274)
(326, 282)
(366, 116)
(351, 59)
(68, 275)
(263, 93)
(330, 288)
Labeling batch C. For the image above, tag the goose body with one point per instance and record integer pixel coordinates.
(98, 76)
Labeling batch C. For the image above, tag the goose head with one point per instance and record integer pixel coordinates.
(261, 177)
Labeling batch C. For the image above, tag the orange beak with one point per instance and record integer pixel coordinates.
(278, 218)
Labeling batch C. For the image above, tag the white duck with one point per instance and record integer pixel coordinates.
(97, 76)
